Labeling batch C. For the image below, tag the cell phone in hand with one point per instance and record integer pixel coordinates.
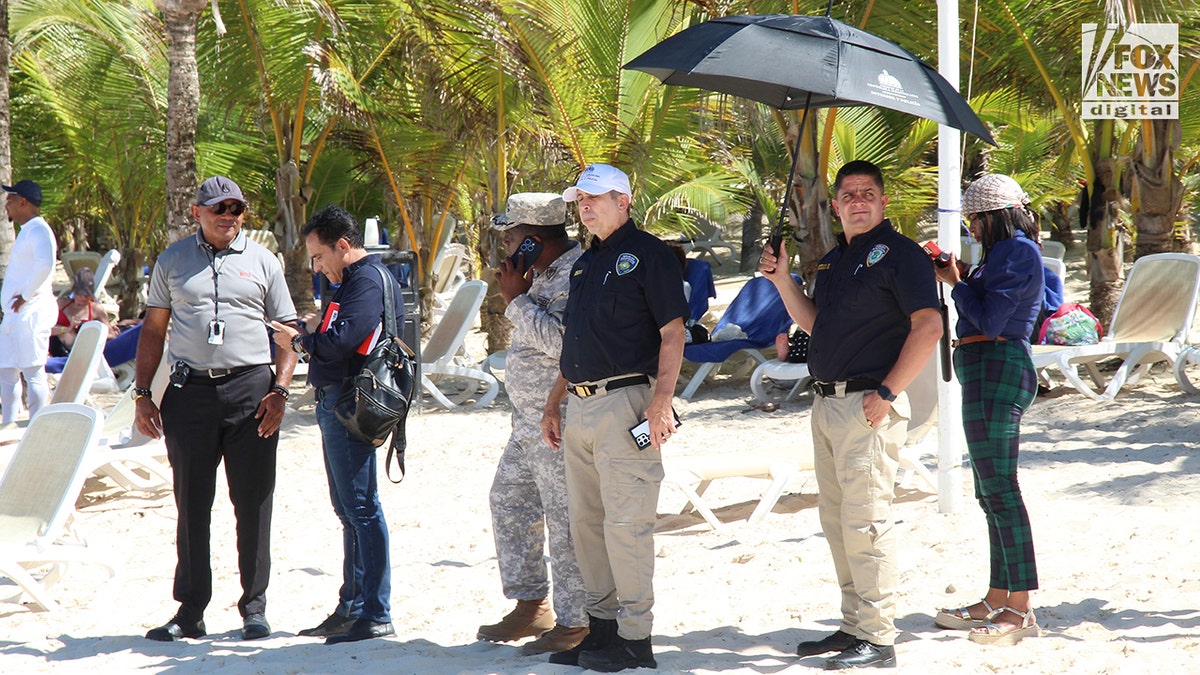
(641, 432)
(531, 248)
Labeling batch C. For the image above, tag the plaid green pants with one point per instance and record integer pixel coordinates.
(998, 384)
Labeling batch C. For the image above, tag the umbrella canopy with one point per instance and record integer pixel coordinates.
(793, 62)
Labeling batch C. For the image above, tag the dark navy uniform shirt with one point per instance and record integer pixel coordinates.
(865, 292)
(624, 289)
(351, 323)
(1003, 296)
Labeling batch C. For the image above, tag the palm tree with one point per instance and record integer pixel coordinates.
(7, 234)
(180, 18)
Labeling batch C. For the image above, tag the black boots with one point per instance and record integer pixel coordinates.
(601, 633)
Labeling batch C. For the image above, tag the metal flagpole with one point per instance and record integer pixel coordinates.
(950, 432)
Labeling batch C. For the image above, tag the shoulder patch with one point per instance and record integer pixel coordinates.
(626, 263)
(822, 266)
(876, 254)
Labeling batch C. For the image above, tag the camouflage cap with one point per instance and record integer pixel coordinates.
(532, 208)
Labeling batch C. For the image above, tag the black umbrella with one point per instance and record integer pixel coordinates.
(791, 62)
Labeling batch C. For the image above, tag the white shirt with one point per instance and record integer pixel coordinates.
(25, 335)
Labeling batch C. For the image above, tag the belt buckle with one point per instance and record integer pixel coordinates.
(582, 391)
(218, 373)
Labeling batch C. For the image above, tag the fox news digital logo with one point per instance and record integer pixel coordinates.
(1131, 73)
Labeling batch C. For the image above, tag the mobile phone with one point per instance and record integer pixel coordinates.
(641, 432)
(935, 253)
(532, 248)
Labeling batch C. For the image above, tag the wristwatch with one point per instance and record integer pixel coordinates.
(141, 392)
(297, 344)
(885, 393)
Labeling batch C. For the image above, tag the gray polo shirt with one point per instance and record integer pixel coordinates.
(242, 285)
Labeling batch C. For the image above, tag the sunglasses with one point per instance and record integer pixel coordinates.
(234, 208)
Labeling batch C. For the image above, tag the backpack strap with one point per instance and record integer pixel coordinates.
(399, 440)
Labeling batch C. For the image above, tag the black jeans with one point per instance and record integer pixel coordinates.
(204, 422)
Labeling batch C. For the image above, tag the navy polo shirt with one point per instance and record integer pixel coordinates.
(865, 292)
(624, 289)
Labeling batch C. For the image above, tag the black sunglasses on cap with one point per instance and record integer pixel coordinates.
(235, 208)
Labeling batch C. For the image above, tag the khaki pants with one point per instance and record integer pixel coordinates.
(856, 475)
(612, 501)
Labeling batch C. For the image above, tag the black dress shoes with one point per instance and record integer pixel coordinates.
(255, 627)
(834, 642)
(863, 654)
(176, 629)
(362, 629)
(334, 624)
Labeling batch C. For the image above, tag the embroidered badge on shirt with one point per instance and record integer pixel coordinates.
(876, 254)
(626, 263)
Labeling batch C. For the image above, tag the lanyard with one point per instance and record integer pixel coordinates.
(216, 270)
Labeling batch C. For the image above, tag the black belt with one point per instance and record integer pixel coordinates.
(586, 390)
(219, 373)
(851, 386)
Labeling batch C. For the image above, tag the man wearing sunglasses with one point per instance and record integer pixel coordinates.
(217, 289)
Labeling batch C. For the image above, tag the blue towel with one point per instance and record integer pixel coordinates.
(699, 275)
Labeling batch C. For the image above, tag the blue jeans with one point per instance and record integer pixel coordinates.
(351, 468)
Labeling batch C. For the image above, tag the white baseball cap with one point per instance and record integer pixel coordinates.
(599, 179)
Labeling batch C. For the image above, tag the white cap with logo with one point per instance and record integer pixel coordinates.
(599, 179)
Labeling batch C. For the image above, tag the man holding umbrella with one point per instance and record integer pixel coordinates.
(874, 322)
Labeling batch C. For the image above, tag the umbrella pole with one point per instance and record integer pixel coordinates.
(777, 232)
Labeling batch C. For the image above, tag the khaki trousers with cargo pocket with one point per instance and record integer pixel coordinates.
(612, 501)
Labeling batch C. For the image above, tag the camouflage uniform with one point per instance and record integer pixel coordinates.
(529, 493)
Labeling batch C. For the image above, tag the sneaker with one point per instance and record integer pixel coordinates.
(531, 618)
(559, 639)
(619, 655)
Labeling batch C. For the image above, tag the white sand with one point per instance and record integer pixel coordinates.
(1112, 491)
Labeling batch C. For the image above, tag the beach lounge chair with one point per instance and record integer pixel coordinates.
(104, 271)
(1190, 356)
(37, 500)
(450, 268)
(123, 454)
(782, 371)
(709, 241)
(73, 261)
(781, 462)
(1053, 249)
(450, 384)
(1151, 324)
(698, 276)
(83, 364)
(759, 312)
(1055, 265)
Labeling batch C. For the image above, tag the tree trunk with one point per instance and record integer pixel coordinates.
(7, 233)
(1105, 241)
(808, 204)
(1157, 193)
(181, 18)
(752, 233)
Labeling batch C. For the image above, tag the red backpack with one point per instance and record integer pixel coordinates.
(1071, 324)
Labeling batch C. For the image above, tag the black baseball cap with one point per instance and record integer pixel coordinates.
(31, 191)
(218, 189)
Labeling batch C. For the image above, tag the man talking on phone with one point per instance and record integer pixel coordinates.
(529, 493)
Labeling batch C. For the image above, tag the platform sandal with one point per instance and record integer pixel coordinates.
(992, 634)
(961, 619)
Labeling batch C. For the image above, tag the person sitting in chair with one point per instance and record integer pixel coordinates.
(75, 309)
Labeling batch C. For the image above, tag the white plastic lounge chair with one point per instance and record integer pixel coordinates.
(84, 364)
(1053, 249)
(709, 241)
(1190, 356)
(781, 371)
(128, 458)
(1151, 324)
(73, 261)
(462, 384)
(692, 475)
(104, 271)
(37, 500)
(449, 274)
(1055, 265)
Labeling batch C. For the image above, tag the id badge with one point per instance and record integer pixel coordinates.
(216, 332)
